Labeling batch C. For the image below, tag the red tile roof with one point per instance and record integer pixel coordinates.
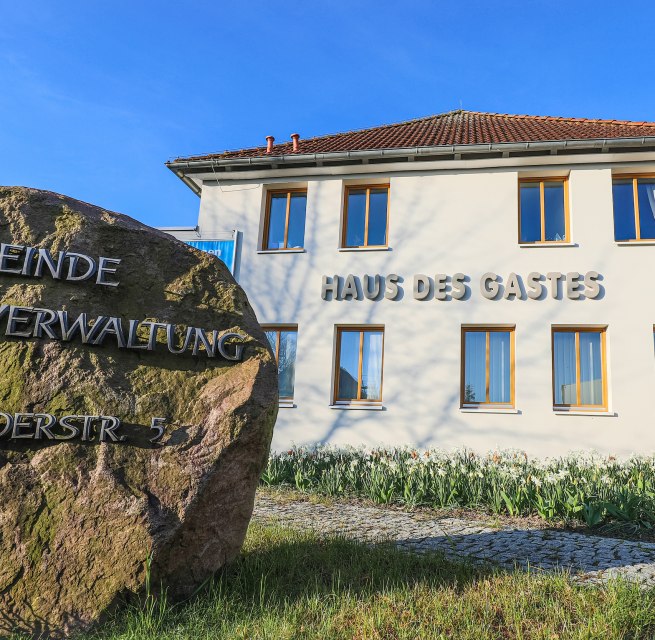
(453, 128)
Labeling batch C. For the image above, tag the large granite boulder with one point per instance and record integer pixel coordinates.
(84, 523)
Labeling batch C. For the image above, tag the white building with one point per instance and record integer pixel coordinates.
(465, 279)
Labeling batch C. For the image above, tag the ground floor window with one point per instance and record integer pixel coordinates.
(487, 366)
(358, 367)
(579, 362)
(579, 365)
(284, 339)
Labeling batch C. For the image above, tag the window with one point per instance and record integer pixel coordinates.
(488, 366)
(543, 210)
(283, 341)
(366, 216)
(284, 226)
(634, 208)
(359, 365)
(579, 379)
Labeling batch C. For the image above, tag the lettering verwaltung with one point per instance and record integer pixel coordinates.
(33, 322)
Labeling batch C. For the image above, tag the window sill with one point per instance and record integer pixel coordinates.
(364, 248)
(632, 243)
(584, 412)
(366, 406)
(551, 245)
(286, 404)
(482, 409)
(281, 251)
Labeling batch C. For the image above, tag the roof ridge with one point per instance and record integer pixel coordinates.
(468, 111)
(362, 130)
(458, 126)
(388, 125)
(350, 131)
(646, 123)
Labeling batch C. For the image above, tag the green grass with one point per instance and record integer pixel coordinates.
(292, 585)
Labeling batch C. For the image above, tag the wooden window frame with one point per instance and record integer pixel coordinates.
(344, 230)
(577, 330)
(278, 328)
(340, 329)
(267, 219)
(635, 201)
(511, 329)
(542, 202)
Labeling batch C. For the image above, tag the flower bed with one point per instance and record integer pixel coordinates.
(584, 487)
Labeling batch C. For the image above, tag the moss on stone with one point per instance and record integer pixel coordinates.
(80, 519)
(15, 357)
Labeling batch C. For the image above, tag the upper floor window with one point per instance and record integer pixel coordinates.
(488, 366)
(284, 225)
(579, 377)
(366, 216)
(358, 367)
(284, 340)
(543, 210)
(634, 208)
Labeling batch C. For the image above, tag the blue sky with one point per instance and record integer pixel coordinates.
(96, 96)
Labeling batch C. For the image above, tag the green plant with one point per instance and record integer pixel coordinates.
(593, 513)
(588, 488)
(302, 481)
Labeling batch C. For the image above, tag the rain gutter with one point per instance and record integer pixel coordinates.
(180, 165)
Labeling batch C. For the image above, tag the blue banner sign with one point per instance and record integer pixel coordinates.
(224, 250)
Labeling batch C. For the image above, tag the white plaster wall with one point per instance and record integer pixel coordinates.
(448, 222)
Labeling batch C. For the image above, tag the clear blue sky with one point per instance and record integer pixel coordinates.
(96, 96)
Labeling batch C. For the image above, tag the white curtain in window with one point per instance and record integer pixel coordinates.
(650, 192)
(372, 365)
(287, 363)
(565, 369)
(499, 366)
(591, 370)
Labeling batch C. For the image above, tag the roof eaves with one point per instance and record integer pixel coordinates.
(331, 136)
(487, 118)
(416, 151)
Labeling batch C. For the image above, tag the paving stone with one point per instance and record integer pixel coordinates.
(590, 559)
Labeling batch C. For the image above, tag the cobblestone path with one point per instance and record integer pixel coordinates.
(591, 559)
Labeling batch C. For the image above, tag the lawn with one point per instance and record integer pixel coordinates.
(293, 585)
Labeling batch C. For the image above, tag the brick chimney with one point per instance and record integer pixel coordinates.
(296, 145)
(269, 144)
